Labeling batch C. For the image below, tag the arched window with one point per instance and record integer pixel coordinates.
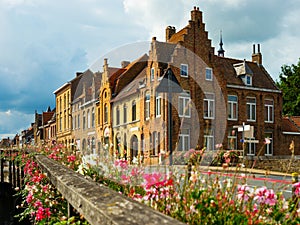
(125, 113)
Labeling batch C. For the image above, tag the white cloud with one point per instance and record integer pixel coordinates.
(12, 122)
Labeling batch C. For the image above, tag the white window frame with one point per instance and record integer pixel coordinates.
(209, 140)
(230, 108)
(184, 70)
(251, 146)
(252, 106)
(210, 106)
(269, 109)
(184, 105)
(206, 74)
(184, 137)
(147, 106)
(152, 73)
(246, 80)
(158, 105)
(269, 147)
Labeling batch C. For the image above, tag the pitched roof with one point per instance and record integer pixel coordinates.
(131, 88)
(131, 71)
(288, 125)
(296, 120)
(260, 77)
(47, 116)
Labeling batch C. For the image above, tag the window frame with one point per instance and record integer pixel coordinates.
(269, 111)
(147, 106)
(230, 108)
(210, 104)
(269, 148)
(184, 70)
(158, 105)
(206, 74)
(184, 105)
(152, 73)
(251, 106)
(184, 138)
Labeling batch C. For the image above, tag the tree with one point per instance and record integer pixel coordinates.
(289, 84)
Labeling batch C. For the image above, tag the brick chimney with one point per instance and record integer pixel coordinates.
(170, 31)
(257, 57)
(196, 15)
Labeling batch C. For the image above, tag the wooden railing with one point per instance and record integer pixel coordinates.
(97, 203)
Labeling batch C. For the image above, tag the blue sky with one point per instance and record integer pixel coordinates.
(43, 43)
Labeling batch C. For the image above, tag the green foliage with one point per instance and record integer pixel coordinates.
(289, 84)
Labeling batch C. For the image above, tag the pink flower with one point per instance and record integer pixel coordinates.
(152, 179)
(121, 163)
(267, 141)
(37, 204)
(29, 198)
(296, 186)
(71, 158)
(243, 192)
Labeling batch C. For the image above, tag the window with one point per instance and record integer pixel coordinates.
(251, 109)
(232, 139)
(88, 119)
(184, 105)
(60, 123)
(208, 74)
(232, 106)
(105, 113)
(251, 146)
(78, 121)
(157, 105)
(156, 143)
(93, 117)
(117, 116)
(125, 113)
(133, 111)
(209, 140)
(269, 147)
(209, 106)
(184, 140)
(83, 120)
(98, 116)
(152, 73)
(248, 80)
(269, 110)
(147, 106)
(73, 123)
(184, 70)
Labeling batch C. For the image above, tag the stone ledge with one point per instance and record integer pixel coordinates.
(99, 204)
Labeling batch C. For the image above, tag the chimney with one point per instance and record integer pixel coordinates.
(124, 64)
(170, 31)
(257, 57)
(78, 73)
(196, 15)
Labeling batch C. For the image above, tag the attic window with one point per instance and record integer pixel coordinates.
(248, 80)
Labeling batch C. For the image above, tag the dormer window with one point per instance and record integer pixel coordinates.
(244, 72)
(208, 74)
(248, 80)
(184, 70)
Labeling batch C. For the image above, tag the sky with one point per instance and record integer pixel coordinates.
(44, 42)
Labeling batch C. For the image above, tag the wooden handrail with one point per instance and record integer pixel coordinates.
(97, 203)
